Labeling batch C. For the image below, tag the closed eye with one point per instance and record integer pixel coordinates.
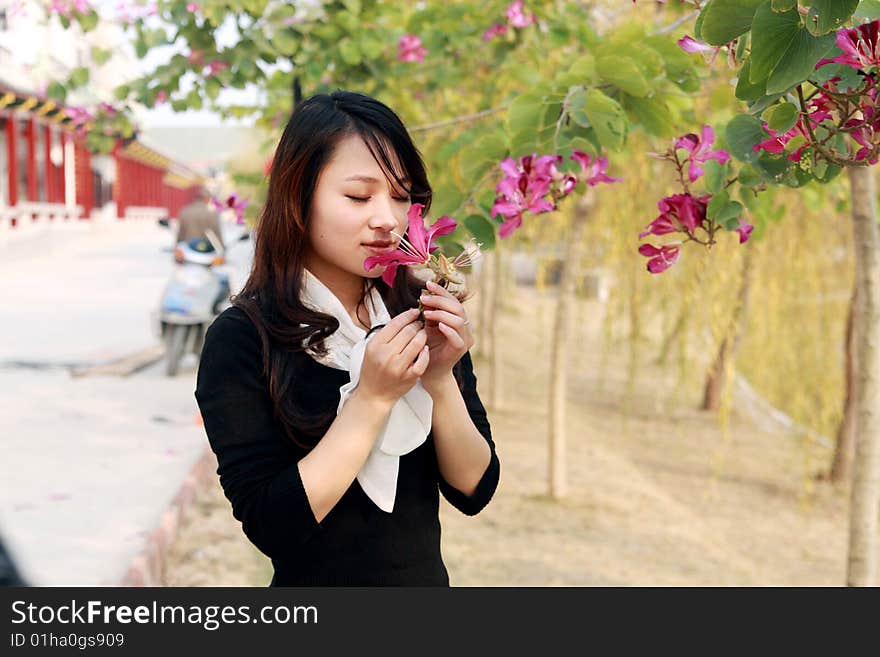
(364, 199)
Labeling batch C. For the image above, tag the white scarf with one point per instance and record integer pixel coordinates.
(410, 419)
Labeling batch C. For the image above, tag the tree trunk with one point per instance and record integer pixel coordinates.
(493, 329)
(841, 468)
(481, 345)
(865, 493)
(673, 336)
(559, 348)
(717, 376)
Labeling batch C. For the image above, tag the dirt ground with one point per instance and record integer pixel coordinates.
(658, 493)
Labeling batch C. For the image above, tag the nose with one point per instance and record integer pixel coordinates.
(384, 220)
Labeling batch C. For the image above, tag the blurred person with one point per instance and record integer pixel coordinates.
(9, 575)
(337, 415)
(197, 218)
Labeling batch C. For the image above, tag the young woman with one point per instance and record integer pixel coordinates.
(337, 415)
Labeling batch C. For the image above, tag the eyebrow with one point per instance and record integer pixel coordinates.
(370, 179)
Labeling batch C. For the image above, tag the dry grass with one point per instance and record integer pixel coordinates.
(659, 493)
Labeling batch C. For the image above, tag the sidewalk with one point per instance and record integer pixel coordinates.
(95, 469)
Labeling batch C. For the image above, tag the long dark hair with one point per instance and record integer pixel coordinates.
(271, 295)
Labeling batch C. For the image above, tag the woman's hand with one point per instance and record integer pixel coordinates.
(394, 359)
(448, 332)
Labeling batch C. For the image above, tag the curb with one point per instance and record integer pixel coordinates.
(148, 567)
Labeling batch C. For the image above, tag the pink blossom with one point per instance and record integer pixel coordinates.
(215, 66)
(689, 44)
(699, 151)
(523, 189)
(161, 97)
(860, 46)
(678, 213)
(593, 170)
(517, 17)
(415, 247)
(661, 258)
(496, 30)
(193, 7)
(79, 115)
(745, 231)
(195, 58)
(409, 49)
(231, 203)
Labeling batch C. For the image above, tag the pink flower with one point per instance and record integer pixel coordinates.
(661, 258)
(516, 17)
(409, 49)
(107, 108)
(860, 46)
(523, 189)
(509, 225)
(678, 213)
(699, 151)
(744, 230)
(193, 7)
(415, 247)
(231, 203)
(215, 66)
(497, 29)
(689, 44)
(79, 115)
(593, 170)
(67, 7)
(161, 97)
(195, 58)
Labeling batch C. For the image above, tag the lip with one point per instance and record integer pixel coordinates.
(380, 249)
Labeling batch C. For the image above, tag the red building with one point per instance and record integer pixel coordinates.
(47, 174)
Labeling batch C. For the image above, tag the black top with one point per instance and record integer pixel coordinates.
(356, 544)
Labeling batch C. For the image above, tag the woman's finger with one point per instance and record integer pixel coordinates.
(452, 335)
(450, 319)
(421, 363)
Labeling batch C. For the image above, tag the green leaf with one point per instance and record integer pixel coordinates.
(286, 41)
(482, 229)
(742, 133)
(483, 154)
(731, 210)
(783, 5)
(87, 21)
(783, 52)
(748, 177)
(869, 9)
(354, 6)
(724, 20)
(714, 176)
(350, 52)
(716, 203)
(524, 113)
(100, 56)
(213, 88)
(829, 15)
(447, 198)
(79, 77)
(782, 117)
(679, 65)
(194, 100)
(653, 114)
(56, 92)
(606, 117)
(745, 90)
(581, 71)
(624, 74)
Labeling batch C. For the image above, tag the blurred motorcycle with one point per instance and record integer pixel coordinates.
(196, 293)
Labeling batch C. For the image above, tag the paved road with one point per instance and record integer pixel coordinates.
(89, 464)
